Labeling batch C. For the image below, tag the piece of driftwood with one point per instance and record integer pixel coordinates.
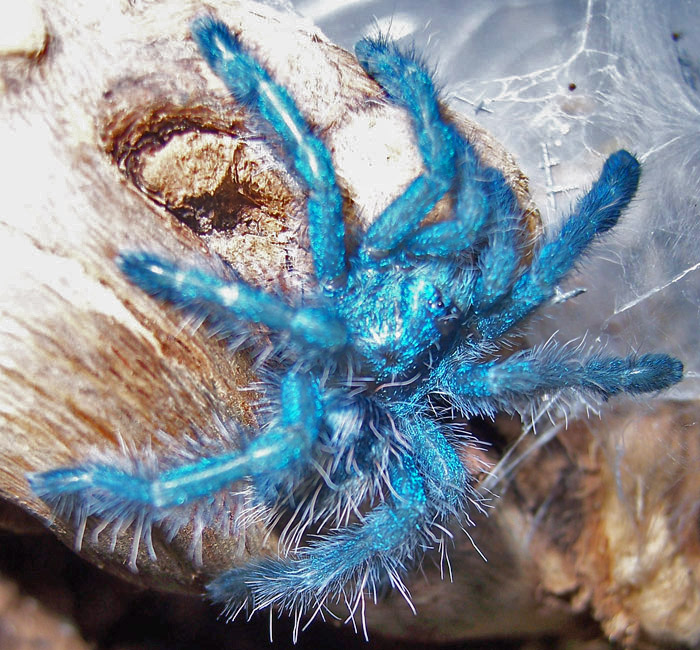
(115, 136)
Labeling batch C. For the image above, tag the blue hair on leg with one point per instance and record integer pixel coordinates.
(472, 210)
(128, 490)
(358, 556)
(596, 213)
(488, 387)
(228, 302)
(409, 85)
(502, 256)
(251, 85)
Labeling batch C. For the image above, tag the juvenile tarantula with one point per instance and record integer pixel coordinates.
(405, 327)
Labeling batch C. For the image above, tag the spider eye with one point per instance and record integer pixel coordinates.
(436, 304)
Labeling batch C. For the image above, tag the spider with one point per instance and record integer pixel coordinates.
(357, 439)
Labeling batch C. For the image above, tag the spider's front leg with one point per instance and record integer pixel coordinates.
(450, 163)
(410, 85)
(252, 85)
(228, 304)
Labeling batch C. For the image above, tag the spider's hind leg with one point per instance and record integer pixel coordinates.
(426, 486)
(118, 493)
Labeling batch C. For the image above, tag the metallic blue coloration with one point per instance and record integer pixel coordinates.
(355, 440)
(409, 85)
(251, 84)
(596, 212)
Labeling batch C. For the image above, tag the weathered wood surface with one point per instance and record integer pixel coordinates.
(114, 136)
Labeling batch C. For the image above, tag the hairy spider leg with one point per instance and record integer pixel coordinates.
(447, 158)
(328, 564)
(252, 85)
(596, 213)
(471, 209)
(226, 302)
(484, 389)
(426, 486)
(409, 85)
(501, 256)
(273, 457)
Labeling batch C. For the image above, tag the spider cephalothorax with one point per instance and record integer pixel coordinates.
(354, 438)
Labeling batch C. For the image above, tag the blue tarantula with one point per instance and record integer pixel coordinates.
(406, 327)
